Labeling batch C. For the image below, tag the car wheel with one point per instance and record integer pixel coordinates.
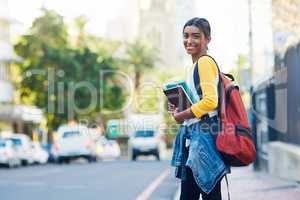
(67, 160)
(157, 156)
(60, 160)
(95, 159)
(24, 162)
(133, 158)
(90, 159)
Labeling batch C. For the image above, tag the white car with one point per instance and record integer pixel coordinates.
(40, 156)
(145, 142)
(22, 145)
(108, 149)
(8, 155)
(74, 141)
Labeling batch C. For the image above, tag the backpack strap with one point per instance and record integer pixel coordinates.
(229, 76)
(197, 81)
(196, 78)
(228, 194)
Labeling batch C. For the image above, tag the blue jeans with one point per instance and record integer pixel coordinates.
(203, 158)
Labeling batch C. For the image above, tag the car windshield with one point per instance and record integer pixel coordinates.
(144, 133)
(16, 141)
(70, 134)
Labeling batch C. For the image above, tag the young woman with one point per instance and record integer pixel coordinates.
(198, 163)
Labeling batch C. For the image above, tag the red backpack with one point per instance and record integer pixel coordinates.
(234, 141)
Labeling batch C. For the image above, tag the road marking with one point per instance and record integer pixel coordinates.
(151, 188)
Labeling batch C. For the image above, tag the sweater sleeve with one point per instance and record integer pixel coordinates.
(208, 73)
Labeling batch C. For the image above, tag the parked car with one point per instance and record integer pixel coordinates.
(108, 149)
(40, 156)
(145, 142)
(22, 145)
(8, 156)
(74, 141)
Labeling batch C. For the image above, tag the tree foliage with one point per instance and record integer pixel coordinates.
(286, 22)
(58, 77)
(142, 56)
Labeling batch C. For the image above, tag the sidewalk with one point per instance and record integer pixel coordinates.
(245, 184)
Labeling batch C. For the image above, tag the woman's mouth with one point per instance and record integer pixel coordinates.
(190, 48)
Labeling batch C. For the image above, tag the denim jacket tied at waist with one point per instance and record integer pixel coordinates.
(203, 158)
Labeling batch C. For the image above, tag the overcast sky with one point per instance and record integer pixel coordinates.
(228, 20)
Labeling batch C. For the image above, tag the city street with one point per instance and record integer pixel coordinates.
(107, 180)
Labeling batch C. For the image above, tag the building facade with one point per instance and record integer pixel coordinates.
(262, 49)
(160, 23)
(275, 101)
(13, 118)
(157, 25)
(185, 10)
(6, 55)
(286, 28)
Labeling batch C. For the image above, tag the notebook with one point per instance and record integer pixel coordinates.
(179, 94)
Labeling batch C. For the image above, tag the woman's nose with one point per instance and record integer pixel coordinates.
(189, 40)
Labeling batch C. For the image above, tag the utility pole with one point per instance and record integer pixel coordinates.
(250, 41)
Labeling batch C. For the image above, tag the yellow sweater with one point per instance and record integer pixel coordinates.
(208, 73)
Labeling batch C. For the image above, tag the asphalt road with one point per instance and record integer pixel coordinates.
(104, 180)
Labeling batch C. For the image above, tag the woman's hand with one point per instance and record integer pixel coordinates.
(171, 108)
(180, 116)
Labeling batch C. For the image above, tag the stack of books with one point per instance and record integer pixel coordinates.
(179, 94)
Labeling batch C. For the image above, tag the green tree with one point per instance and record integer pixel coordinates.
(52, 71)
(141, 56)
(240, 65)
(80, 23)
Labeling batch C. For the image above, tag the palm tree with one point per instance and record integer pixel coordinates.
(142, 56)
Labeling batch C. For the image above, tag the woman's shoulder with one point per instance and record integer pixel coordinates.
(208, 61)
(207, 58)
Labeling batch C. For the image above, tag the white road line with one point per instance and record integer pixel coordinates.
(151, 188)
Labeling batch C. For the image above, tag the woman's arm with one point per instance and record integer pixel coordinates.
(181, 116)
(208, 73)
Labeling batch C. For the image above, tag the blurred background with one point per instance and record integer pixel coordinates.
(81, 82)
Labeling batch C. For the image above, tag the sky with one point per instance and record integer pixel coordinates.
(228, 19)
(98, 12)
(229, 26)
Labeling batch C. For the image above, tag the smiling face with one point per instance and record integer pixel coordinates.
(194, 41)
